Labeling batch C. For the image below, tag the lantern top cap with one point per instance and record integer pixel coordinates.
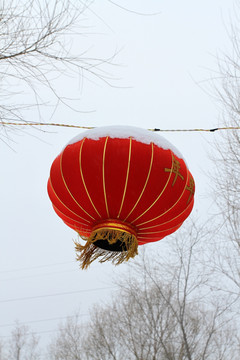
(124, 132)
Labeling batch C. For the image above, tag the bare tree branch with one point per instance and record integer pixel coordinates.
(226, 160)
(36, 40)
(23, 345)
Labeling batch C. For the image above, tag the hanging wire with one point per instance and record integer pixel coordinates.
(6, 123)
(195, 130)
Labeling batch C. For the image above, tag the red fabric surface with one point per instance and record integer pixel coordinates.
(110, 178)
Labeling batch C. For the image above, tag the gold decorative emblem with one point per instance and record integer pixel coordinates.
(190, 188)
(175, 170)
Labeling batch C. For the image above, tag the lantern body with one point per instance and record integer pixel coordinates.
(121, 178)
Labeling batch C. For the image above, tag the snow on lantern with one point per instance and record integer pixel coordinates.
(120, 187)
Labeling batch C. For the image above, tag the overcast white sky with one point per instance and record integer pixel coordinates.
(162, 63)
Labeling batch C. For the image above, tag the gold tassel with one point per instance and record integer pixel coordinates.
(127, 247)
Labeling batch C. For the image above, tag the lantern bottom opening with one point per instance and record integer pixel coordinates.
(111, 240)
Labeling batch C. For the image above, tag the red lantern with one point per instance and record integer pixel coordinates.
(120, 187)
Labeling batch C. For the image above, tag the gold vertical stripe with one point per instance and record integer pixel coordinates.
(103, 175)
(171, 206)
(69, 218)
(160, 231)
(84, 184)
(170, 173)
(144, 187)
(126, 181)
(65, 204)
(88, 231)
(70, 191)
(160, 224)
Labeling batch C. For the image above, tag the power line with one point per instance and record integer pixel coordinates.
(36, 267)
(39, 275)
(4, 123)
(54, 294)
(36, 332)
(40, 320)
